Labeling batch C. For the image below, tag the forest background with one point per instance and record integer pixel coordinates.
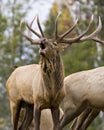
(17, 51)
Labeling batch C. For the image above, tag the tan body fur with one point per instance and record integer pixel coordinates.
(86, 87)
(83, 90)
(26, 83)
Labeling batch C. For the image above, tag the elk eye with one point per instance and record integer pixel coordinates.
(42, 46)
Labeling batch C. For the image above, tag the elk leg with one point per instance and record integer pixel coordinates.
(37, 114)
(69, 115)
(80, 119)
(28, 117)
(55, 115)
(89, 119)
(15, 110)
(74, 123)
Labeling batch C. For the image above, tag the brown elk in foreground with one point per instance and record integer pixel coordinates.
(84, 92)
(42, 84)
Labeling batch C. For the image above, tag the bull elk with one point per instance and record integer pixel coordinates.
(42, 84)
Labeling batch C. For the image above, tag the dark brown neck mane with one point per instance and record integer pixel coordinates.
(53, 72)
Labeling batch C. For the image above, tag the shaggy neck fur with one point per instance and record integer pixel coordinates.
(52, 71)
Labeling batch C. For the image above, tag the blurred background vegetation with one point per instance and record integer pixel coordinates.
(16, 51)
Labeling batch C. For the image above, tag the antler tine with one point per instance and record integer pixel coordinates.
(37, 34)
(31, 25)
(98, 40)
(36, 42)
(56, 26)
(40, 27)
(98, 29)
(81, 35)
(30, 29)
(70, 30)
(32, 21)
(77, 39)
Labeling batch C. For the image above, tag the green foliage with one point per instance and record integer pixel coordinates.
(3, 27)
(79, 57)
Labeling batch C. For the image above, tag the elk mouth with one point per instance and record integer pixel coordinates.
(42, 46)
(42, 49)
(42, 43)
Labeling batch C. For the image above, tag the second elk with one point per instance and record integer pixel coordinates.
(84, 93)
(43, 84)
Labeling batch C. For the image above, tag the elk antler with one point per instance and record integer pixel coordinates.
(67, 32)
(61, 38)
(56, 27)
(40, 27)
(37, 34)
(94, 33)
(81, 37)
(70, 30)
